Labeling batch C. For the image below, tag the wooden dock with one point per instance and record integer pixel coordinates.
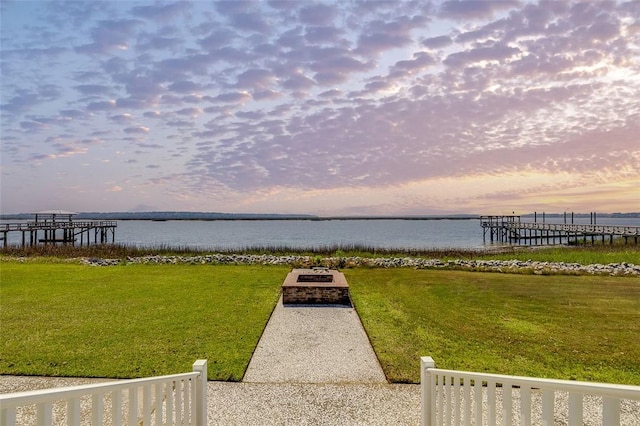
(511, 230)
(59, 228)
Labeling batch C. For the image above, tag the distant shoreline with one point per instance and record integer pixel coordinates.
(212, 216)
(162, 217)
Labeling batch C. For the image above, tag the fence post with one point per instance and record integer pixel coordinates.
(201, 392)
(426, 362)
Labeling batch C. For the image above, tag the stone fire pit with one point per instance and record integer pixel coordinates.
(315, 286)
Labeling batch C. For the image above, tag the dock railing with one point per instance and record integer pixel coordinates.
(511, 229)
(451, 397)
(178, 399)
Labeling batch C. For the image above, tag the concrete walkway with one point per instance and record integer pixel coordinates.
(314, 344)
(314, 365)
(269, 403)
(313, 404)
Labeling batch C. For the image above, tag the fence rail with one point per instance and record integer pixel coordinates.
(451, 397)
(178, 399)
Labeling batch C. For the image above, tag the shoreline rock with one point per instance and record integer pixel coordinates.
(505, 266)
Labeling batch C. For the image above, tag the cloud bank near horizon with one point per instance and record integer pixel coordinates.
(321, 107)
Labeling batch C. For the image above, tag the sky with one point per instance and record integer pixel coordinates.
(320, 107)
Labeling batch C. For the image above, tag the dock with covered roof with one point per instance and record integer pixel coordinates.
(58, 227)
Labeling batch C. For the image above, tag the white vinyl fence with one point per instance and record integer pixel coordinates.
(178, 399)
(461, 398)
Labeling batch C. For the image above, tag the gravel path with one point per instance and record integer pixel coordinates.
(314, 344)
(269, 404)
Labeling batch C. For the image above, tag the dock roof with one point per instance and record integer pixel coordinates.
(56, 212)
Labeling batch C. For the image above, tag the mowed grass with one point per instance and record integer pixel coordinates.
(565, 327)
(132, 321)
(64, 319)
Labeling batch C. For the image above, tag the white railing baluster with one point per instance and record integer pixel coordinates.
(73, 411)
(116, 407)
(97, 409)
(456, 400)
(169, 403)
(45, 414)
(8, 416)
(610, 411)
(477, 395)
(525, 406)
(467, 402)
(146, 405)
(447, 407)
(178, 408)
(133, 406)
(507, 404)
(187, 399)
(433, 402)
(548, 403)
(491, 402)
(441, 399)
(159, 402)
(575, 409)
(194, 402)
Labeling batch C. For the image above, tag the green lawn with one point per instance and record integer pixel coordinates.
(583, 328)
(64, 319)
(132, 321)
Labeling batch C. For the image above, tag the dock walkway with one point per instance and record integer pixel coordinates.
(67, 232)
(510, 229)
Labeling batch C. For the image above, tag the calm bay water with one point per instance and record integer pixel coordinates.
(303, 233)
(378, 233)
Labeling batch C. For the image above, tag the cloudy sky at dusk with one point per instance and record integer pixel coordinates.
(322, 107)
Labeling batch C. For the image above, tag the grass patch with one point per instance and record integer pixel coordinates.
(565, 327)
(588, 254)
(583, 255)
(132, 321)
(65, 319)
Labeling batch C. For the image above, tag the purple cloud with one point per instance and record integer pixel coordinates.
(319, 35)
(472, 9)
(420, 61)
(184, 86)
(110, 34)
(101, 106)
(233, 97)
(437, 42)
(317, 14)
(255, 79)
(136, 130)
(493, 53)
(161, 12)
(298, 81)
(93, 89)
(21, 103)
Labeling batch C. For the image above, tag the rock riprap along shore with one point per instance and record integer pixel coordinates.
(528, 266)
